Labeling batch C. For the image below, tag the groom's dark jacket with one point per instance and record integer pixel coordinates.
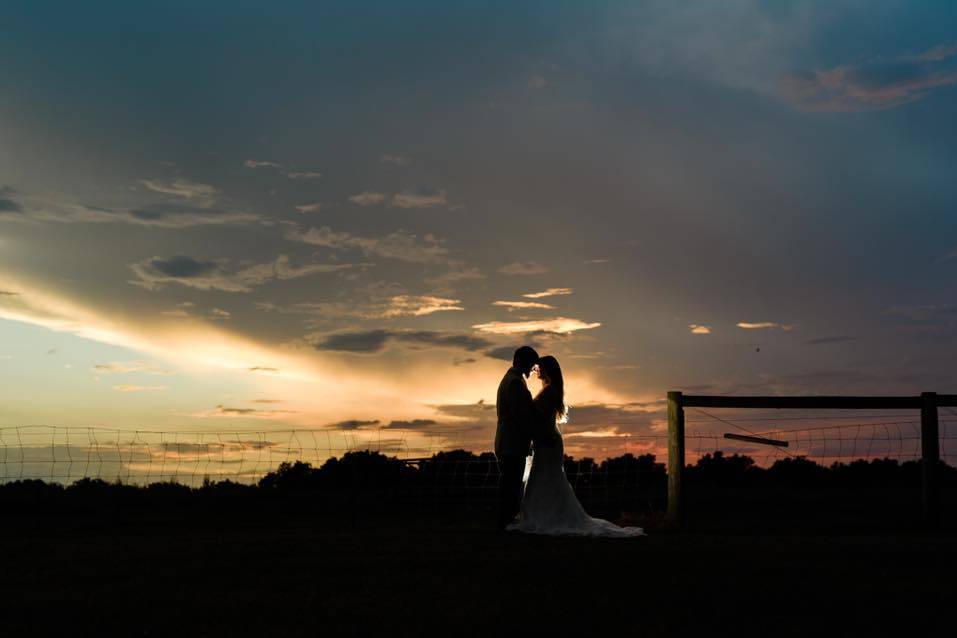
(516, 416)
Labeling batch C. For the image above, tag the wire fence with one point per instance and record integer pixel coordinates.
(67, 454)
(407, 464)
(831, 439)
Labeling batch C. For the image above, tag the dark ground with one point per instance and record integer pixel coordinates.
(291, 571)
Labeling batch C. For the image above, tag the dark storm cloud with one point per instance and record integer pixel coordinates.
(373, 341)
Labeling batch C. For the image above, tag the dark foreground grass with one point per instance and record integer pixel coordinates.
(290, 571)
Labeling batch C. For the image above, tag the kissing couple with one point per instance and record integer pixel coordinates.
(545, 503)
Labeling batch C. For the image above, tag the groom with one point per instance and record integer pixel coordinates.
(513, 437)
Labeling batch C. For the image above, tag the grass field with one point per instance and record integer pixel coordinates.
(288, 572)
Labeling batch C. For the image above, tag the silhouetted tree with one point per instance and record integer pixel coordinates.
(724, 471)
(797, 471)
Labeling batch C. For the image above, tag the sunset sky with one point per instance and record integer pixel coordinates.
(341, 214)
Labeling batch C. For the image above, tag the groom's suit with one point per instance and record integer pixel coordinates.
(513, 439)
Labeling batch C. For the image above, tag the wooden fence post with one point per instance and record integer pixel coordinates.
(930, 459)
(676, 459)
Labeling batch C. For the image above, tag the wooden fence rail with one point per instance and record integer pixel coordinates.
(927, 403)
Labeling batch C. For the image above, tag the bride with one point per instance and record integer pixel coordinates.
(549, 505)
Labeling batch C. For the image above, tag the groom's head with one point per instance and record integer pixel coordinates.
(525, 359)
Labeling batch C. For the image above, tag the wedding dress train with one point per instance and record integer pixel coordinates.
(550, 506)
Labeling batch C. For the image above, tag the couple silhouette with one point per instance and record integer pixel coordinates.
(544, 503)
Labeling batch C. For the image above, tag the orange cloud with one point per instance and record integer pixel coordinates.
(560, 325)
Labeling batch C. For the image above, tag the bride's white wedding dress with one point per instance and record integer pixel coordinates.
(550, 506)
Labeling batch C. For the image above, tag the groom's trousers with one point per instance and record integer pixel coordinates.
(510, 488)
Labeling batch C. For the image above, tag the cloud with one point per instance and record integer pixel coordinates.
(415, 424)
(697, 329)
(523, 268)
(352, 424)
(374, 341)
(291, 174)
(418, 305)
(154, 272)
(504, 353)
(223, 411)
(420, 198)
(251, 163)
(539, 339)
(127, 367)
(182, 188)
(184, 310)
(368, 198)
(377, 307)
(397, 160)
(283, 269)
(874, 85)
(400, 245)
(158, 215)
(303, 174)
(537, 82)
(446, 283)
(550, 292)
(523, 305)
(173, 216)
(417, 198)
(309, 208)
(763, 325)
(180, 267)
(139, 388)
(7, 203)
(263, 369)
(559, 325)
(479, 413)
(938, 53)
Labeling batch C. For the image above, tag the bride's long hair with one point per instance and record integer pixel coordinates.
(552, 395)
